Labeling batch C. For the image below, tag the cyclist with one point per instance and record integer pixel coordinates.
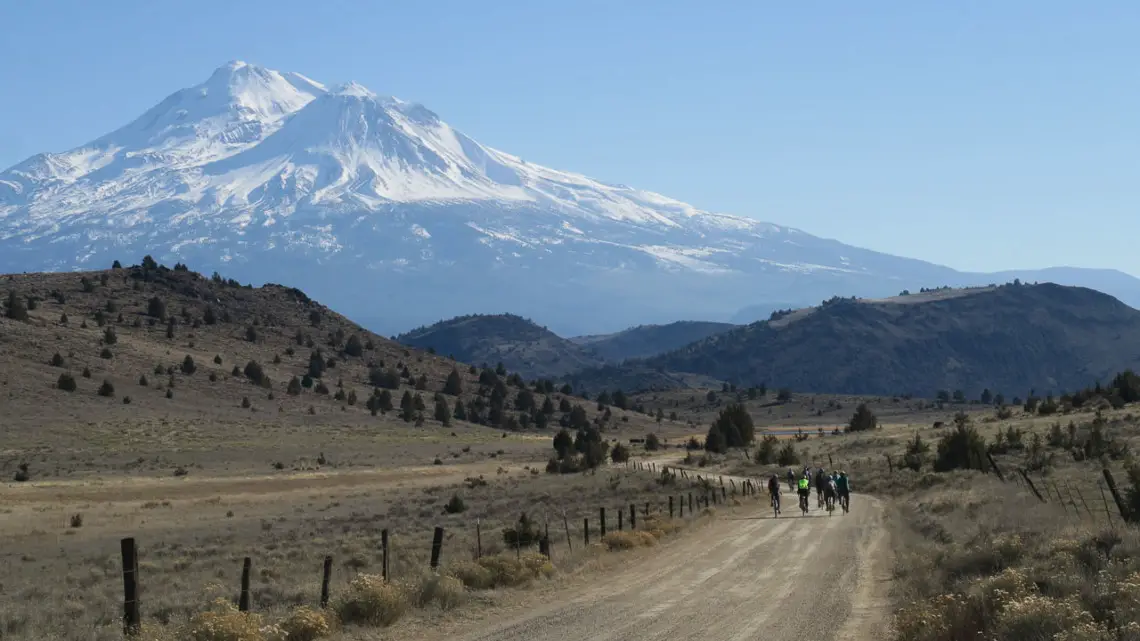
(843, 487)
(791, 479)
(829, 492)
(804, 490)
(820, 484)
(774, 491)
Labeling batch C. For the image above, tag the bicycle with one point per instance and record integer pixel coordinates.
(829, 504)
(845, 503)
(776, 505)
(804, 504)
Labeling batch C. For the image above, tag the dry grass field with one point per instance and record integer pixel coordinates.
(205, 466)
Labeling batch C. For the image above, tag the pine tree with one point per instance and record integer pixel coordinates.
(460, 410)
(354, 347)
(442, 413)
(16, 309)
(548, 406)
(453, 386)
(863, 419)
(407, 407)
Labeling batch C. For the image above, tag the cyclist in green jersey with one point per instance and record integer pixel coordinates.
(804, 490)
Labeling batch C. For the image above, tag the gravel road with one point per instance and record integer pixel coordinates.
(746, 576)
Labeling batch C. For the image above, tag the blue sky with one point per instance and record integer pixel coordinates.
(970, 134)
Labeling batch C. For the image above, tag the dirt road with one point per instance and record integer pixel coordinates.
(749, 576)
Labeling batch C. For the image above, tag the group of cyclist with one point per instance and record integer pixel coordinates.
(829, 487)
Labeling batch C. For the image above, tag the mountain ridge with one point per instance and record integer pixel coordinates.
(1006, 338)
(273, 176)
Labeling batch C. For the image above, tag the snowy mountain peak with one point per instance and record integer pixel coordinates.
(353, 89)
(271, 176)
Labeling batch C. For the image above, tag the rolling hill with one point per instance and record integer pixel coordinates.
(519, 344)
(1008, 339)
(146, 353)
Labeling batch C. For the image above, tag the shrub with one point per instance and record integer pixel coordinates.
(143, 381)
(217, 359)
(126, 400)
(76, 520)
(156, 308)
(254, 372)
(109, 336)
(294, 387)
(56, 360)
(455, 505)
(442, 589)
(628, 539)
(321, 388)
(22, 474)
(188, 366)
(524, 534)
(863, 419)
(962, 448)
(652, 443)
(307, 624)
(369, 600)
(66, 382)
(223, 622)
(245, 402)
(106, 353)
(619, 453)
(502, 570)
(916, 451)
(86, 372)
(106, 389)
(766, 454)
(787, 456)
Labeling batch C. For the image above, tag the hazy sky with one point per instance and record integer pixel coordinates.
(977, 134)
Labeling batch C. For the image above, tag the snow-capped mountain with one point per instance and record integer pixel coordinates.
(378, 207)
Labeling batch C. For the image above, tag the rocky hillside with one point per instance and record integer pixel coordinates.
(519, 344)
(650, 340)
(1008, 339)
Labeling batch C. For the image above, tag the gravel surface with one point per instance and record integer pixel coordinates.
(746, 576)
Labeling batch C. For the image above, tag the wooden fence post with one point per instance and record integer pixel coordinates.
(670, 506)
(478, 538)
(632, 516)
(243, 599)
(724, 494)
(603, 522)
(890, 464)
(544, 546)
(566, 524)
(997, 469)
(326, 576)
(384, 549)
(690, 502)
(1032, 487)
(131, 618)
(436, 547)
(1107, 513)
(621, 513)
(586, 532)
(830, 463)
(1124, 512)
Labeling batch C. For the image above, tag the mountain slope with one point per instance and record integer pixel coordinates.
(649, 340)
(519, 344)
(1008, 339)
(104, 326)
(271, 176)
